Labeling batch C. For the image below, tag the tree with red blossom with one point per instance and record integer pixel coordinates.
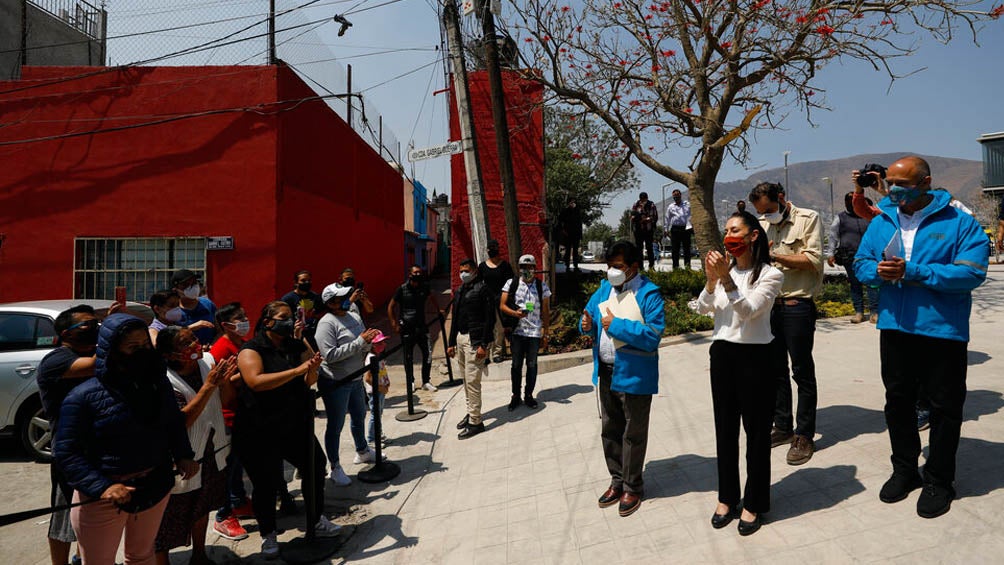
(704, 75)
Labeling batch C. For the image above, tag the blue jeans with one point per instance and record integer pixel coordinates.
(524, 349)
(794, 329)
(348, 399)
(857, 293)
(371, 432)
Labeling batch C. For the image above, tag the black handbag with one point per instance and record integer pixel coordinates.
(150, 489)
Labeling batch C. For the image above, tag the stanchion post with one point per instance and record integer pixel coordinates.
(446, 346)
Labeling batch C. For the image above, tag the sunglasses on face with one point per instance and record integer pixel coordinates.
(87, 324)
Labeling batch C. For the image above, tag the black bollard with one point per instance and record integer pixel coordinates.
(449, 365)
(413, 413)
(381, 471)
(310, 548)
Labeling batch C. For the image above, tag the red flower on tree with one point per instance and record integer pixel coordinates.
(825, 30)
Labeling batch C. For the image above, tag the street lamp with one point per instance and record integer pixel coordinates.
(829, 180)
(664, 226)
(787, 189)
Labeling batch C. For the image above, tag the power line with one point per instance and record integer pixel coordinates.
(402, 75)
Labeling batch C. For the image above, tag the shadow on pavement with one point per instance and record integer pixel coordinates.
(838, 482)
(414, 438)
(981, 403)
(845, 422)
(372, 532)
(680, 475)
(980, 467)
(217, 554)
(563, 393)
(977, 358)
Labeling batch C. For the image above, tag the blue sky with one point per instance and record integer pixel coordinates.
(938, 111)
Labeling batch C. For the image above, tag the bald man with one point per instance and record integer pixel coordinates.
(926, 257)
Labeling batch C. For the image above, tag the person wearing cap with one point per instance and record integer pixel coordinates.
(495, 271)
(471, 335)
(377, 383)
(343, 342)
(528, 299)
(194, 306)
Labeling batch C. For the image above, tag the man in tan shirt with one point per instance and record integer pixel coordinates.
(796, 237)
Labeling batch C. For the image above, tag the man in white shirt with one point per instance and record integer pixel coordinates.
(678, 222)
(530, 301)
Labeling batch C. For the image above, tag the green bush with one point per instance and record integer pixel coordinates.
(672, 283)
(830, 309)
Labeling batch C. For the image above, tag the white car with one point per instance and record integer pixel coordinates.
(26, 336)
(588, 256)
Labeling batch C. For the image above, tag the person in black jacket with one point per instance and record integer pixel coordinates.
(119, 439)
(495, 271)
(570, 233)
(471, 335)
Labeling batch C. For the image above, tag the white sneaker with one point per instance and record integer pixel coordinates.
(339, 477)
(269, 547)
(368, 456)
(325, 529)
(430, 387)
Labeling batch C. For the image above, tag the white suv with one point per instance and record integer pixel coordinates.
(26, 336)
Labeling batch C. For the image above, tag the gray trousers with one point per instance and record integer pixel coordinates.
(624, 433)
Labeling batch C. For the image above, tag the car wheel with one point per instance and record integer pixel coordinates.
(35, 431)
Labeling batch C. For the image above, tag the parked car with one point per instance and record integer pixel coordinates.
(588, 256)
(27, 334)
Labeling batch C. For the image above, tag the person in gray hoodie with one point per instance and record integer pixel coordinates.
(343, 342)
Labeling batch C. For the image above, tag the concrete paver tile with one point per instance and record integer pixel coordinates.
(491, 536)
(524, 550)
(524, 529)
(491, 555)
(592, 534)
(821, 553)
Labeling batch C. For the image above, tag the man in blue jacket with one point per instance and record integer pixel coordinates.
(926, 257)
(625, 371)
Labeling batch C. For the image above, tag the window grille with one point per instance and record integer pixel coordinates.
(142, 265)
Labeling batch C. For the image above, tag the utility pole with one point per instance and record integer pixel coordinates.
(348, 102)
(509, 205)
(480, 231)
(787, 189)
(272, 58)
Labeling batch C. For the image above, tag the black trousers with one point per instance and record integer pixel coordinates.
(572, 252)
(409, 339)
(624, 433)
(524, 349)
(262, 454)
(794, 329)
(643, 239)
(938, 366)
(742, 388)
(680, 236)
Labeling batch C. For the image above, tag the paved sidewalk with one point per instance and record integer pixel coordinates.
(525, 491)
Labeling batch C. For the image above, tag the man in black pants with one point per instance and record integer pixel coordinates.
(678, 220)
(644, 217)
(412, 298)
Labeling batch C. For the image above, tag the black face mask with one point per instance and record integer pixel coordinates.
(415, 278)
(678, 200)
(141, 365)
(304, 287)
(351, 281)
(493, 252)
(283, 327)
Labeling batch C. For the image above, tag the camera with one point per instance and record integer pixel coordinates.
(864, 179)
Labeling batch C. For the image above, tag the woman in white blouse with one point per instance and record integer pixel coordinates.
(740, 293)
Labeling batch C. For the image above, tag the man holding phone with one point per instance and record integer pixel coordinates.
(529, 299)
(306, 304)
(926, 256)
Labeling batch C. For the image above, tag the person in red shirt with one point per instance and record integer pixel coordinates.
(233, 325)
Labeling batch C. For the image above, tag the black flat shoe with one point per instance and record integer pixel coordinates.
(748, 528)
(719, 521)
(463, 423)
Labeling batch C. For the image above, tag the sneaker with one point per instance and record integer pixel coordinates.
(934, 500)
(873, 318)
(245, 510)
(800, 451)
(858, 318)
(230, 528)
(778, 437)
(899, 487)
(269, 547)
(429, 387)
(923, 419)
(368, 456)
(76, 560)
(325, 529)
(339, 477)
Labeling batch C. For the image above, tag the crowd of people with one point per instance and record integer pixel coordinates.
(156, 425)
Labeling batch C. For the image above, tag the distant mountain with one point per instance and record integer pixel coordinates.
(962, 177)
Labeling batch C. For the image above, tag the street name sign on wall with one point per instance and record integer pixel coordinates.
(218, 242)
(451, 148)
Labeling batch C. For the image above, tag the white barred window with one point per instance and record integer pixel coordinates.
(142, 265)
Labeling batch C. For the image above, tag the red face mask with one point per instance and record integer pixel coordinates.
(735, 245)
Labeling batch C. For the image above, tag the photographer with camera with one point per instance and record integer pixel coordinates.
(845, 236)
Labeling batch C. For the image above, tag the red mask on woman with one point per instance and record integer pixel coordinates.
(735, 245)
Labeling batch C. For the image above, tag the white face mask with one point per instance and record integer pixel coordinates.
(616, 276)
(466, 276)
(193, 291)
(241, 328)
(774, 217)
(174, 315)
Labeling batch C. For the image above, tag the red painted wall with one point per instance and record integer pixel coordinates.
(524, 114)
(272, 181)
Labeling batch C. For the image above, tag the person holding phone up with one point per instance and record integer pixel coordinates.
(528, 299)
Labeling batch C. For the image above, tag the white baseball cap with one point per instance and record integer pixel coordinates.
(334, 290)
(527, 260)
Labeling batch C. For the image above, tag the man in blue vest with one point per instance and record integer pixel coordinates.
(928, 257)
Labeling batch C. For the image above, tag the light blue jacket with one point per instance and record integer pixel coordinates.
(949, 259)
(636, 365)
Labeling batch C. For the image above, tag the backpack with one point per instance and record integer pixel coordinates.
(510, 322)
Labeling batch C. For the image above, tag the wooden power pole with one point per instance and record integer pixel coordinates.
(509, 204)
(480, 231)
